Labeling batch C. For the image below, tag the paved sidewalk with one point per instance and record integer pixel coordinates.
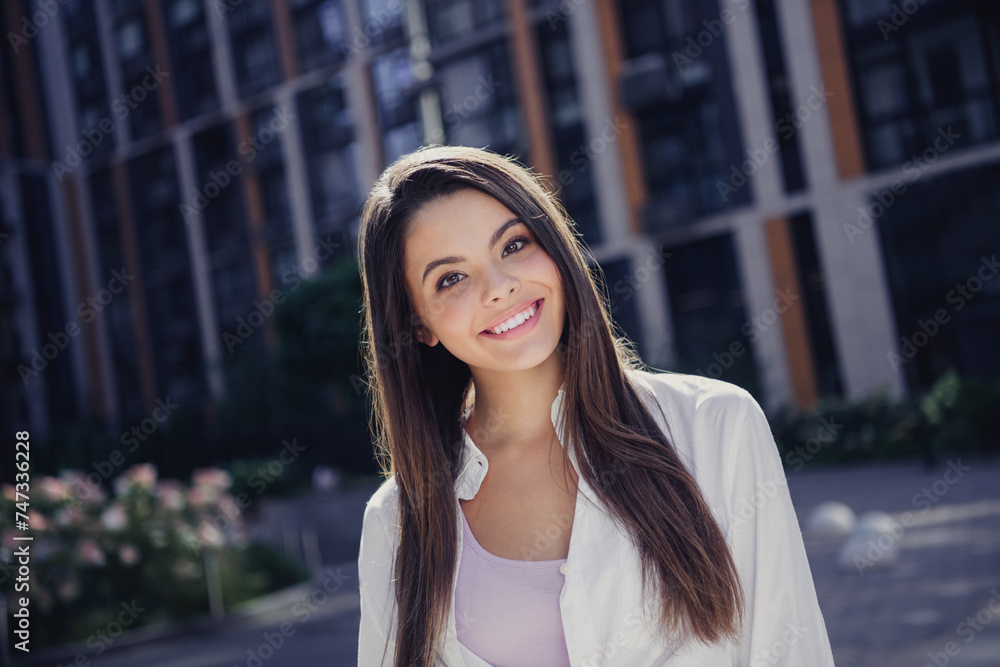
(916, 613)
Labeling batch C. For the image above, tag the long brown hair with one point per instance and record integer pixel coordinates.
(418, 394)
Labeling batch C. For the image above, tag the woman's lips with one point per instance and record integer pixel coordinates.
(522, 328)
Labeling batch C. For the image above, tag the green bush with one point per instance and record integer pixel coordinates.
(956, 415)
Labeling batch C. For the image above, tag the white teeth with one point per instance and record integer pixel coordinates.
(516, 321)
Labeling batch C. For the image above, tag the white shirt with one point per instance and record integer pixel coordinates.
(723, 437)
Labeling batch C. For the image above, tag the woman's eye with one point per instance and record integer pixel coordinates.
(447, 281)
(514, 242)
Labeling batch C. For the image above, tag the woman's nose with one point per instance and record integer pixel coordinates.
(500, 284)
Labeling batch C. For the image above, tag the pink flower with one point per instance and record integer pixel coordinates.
(128, 554)
(229, 507)
(169, 494)
(209, 535)
(114, 517)
(53, 489)
(143, 474)
(9, 492)
(90, 553)
(86, 489)
(67, 516)
(212, 477)
(67, 590)
(202, 496)
(36, 521)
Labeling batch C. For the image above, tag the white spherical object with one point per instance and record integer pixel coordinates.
(878, 522)
(874, 546)
(830, 519)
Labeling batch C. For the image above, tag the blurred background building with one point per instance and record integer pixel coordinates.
(785, 194)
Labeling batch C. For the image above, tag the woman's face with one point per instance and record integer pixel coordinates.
(471, 267)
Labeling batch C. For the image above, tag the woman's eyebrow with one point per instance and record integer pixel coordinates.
(454, 260)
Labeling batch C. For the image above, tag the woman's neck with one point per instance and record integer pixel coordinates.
(513, 409)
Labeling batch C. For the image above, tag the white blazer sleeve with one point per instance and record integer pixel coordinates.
(784, 625)
(375, 579)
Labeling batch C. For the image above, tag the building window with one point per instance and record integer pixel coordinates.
(478, 101)
(947, 317)
(86, 65)
(574, 171)
(707, 309)
(620, 286)
(131, 39)
(254, 51)
(785, 133)
(397, 111)
(812, 283)
(224, 222)
(933, 75)
(320, 32)
(138, 102)
(450, 20)
(173, 315)
(121, 327)
(328, 137)
(690, 140)
(183, 12)
(383, 24)
(191, 51)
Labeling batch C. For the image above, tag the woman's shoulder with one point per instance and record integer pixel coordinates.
(684, 393)
(384, 501)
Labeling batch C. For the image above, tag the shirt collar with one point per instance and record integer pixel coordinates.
(475, 465)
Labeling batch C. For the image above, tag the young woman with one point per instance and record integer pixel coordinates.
(548, 500)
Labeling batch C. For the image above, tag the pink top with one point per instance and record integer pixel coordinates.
(507, 611)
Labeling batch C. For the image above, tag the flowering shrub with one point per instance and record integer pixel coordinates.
(146, 543)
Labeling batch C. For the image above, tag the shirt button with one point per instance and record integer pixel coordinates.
(564, 568)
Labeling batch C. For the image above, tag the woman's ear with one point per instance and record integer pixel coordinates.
(424, 335)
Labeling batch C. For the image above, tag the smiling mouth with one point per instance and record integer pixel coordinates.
(516, 320)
